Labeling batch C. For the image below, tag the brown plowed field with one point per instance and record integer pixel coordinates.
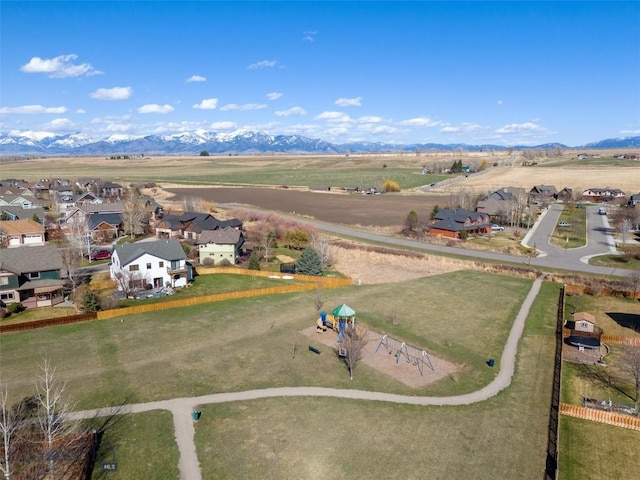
(341, 208)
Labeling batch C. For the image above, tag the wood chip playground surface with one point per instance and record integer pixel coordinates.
(401, 370)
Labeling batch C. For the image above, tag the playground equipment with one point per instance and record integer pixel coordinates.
(411, 354)
(341, 316)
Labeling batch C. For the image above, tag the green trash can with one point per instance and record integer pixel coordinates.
(491, 362)
(196, 414)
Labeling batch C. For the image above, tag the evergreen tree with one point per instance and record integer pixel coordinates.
(309, 262)
(411, 223)
(90, 302)
(254, 263)
(434, 212)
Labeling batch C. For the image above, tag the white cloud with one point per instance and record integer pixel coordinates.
(377, 129)
(273, 95)
(333, 117)
(59, 67)
(119, 127)
(420, 122)
(58, 124)
(465, 127)
(291, 111)
(115, 93)
(155, 108)
(243, 108)
(80, 110)
(33, 109)
(527, 128)
(224, 126)
(349, 102)
(207, 104)
(309, 36)
(369, 119)
(499, 102)
(196, 78)
(262, 64)
(630, 132)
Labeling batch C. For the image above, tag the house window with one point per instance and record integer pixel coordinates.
(161, 264)
(4, 280)
(148, 266)
(133, 268)
(6, 296)
(33, 275)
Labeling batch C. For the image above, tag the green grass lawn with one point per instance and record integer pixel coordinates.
(245, 344)
(575, 235)
(597, 451)
(291, 438)
(600, 306)
(143, 446)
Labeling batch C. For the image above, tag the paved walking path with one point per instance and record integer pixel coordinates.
(182, 408)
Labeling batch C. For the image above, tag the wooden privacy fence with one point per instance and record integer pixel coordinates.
(47, 322)
(328, 282)
(611, 339)
(324, 281)
(600, 416)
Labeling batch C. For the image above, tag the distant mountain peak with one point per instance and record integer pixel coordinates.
(241, 141)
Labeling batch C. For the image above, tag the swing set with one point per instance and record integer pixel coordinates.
(411, 354)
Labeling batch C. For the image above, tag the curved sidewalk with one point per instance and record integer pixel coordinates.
(182, 408)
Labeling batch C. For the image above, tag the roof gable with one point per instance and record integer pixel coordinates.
(169, 250)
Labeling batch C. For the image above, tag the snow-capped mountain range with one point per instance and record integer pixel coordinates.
(239, 142)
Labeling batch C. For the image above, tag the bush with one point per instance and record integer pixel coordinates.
(15, 308)
(208, 261)
(254, 263)
(390, 186)
(224, 262)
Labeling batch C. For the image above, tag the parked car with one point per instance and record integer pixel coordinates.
(564, 224)
(602, 211)
(497, 228)
(100, 254)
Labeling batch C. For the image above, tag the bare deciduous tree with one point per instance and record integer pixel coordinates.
(268, 243)
(9, 425)
(321, 245)
(318, 302)
(353, 344)
(133, 216)
(53, 420)
(71, 260)
(130, 283)
(634, 282)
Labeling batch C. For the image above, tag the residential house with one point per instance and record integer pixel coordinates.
(451, 223)
(156, 264)
(110, 189)
(216, 246)
(189, 225)
(78, 216)
(542, 194)
(25, 201)
(634, 200)
(104, 226)
(17, 233)
(12, 212)
(31, 276)
(565, 195)
(602, 194)
(497, 204)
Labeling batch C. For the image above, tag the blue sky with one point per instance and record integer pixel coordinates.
(507, 73)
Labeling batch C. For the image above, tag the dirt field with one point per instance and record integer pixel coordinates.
(347, 209)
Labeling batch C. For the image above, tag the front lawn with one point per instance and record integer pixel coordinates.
(574, 235)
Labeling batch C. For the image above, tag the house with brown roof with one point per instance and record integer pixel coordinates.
(459, 223)
(17, 233)
(216, 246)
(602, 194)
(542, 194)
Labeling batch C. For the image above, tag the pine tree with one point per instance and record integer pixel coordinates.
(254, 263)
(90, 302)
(411, 223)
(309, 262)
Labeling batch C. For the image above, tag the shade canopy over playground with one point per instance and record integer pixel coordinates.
(343, 311)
